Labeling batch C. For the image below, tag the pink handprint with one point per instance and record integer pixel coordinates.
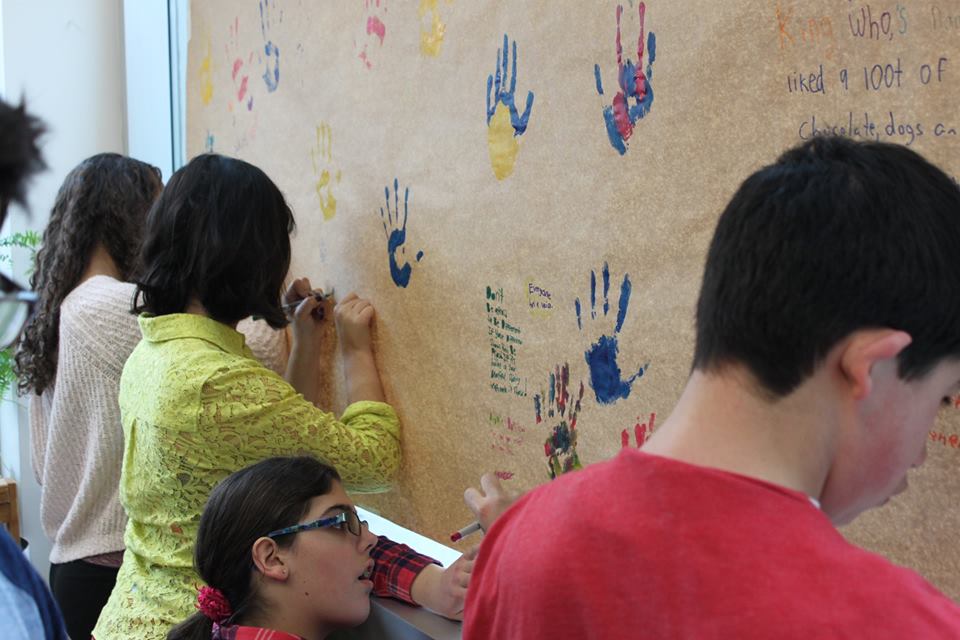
(375, 30)
(239, 75)
(641, 432)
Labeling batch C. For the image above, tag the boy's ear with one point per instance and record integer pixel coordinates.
(268, 560)
(866, 349)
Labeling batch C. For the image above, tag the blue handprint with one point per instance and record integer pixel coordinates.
(271, 74)
(504, 123)
(621, 116)
(605, 376)
(396, 233)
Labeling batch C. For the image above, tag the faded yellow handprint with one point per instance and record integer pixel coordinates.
(431, 37)
(322, 156)
(206, 74)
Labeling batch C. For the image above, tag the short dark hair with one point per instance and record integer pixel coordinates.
(269, 495)
(220, 233)
(834, 237)
(20, 155)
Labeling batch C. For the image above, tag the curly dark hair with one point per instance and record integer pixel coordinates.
(104, 200)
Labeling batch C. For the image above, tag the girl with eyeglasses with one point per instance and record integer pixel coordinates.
(285, 557)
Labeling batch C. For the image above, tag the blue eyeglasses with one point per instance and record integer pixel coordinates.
(349, 518)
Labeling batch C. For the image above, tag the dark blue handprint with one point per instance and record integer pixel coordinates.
(605, 375)
(504, 123)
(271, 74)
(621, 116)
(396, 233)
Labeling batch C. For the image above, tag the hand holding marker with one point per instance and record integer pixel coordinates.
(319, 296)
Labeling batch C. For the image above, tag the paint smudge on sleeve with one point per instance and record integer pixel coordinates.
(395, 229)
(505, 124)
(635, 98)
(606, 378)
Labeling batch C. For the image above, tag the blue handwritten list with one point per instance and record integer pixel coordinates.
(505, 341)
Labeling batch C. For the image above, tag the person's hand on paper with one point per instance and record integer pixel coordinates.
(488, 502)
(444, 591)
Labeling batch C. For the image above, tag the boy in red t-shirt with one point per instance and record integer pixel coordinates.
(828, 336)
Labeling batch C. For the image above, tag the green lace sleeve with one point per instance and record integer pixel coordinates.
(253, 413)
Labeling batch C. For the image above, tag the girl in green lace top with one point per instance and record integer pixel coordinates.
(196, 406)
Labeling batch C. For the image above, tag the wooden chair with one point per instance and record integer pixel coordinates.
(9, 513)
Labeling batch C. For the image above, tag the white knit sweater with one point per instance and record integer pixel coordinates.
(77, 438)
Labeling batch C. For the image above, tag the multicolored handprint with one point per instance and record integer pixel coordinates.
(395, 230)
(560, 409)
(635, 97)
(505, 124)
(270, 15)
(605, 376)
(321, 155)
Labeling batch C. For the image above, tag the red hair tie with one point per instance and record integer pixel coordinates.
(212, 603)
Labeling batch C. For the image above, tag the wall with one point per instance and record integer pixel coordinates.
(535, 297)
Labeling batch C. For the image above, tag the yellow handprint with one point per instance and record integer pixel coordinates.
(321, 155)
(206, 75)
(431, 39)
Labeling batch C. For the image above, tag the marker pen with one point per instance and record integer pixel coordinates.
(473, 527)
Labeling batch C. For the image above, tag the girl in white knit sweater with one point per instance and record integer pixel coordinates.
(69, 360)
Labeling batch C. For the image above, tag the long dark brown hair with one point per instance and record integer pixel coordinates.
(269, 495)
(104, 200)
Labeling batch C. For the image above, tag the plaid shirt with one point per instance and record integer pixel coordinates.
(395, 568)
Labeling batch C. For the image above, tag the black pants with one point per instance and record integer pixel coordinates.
(81, 590)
